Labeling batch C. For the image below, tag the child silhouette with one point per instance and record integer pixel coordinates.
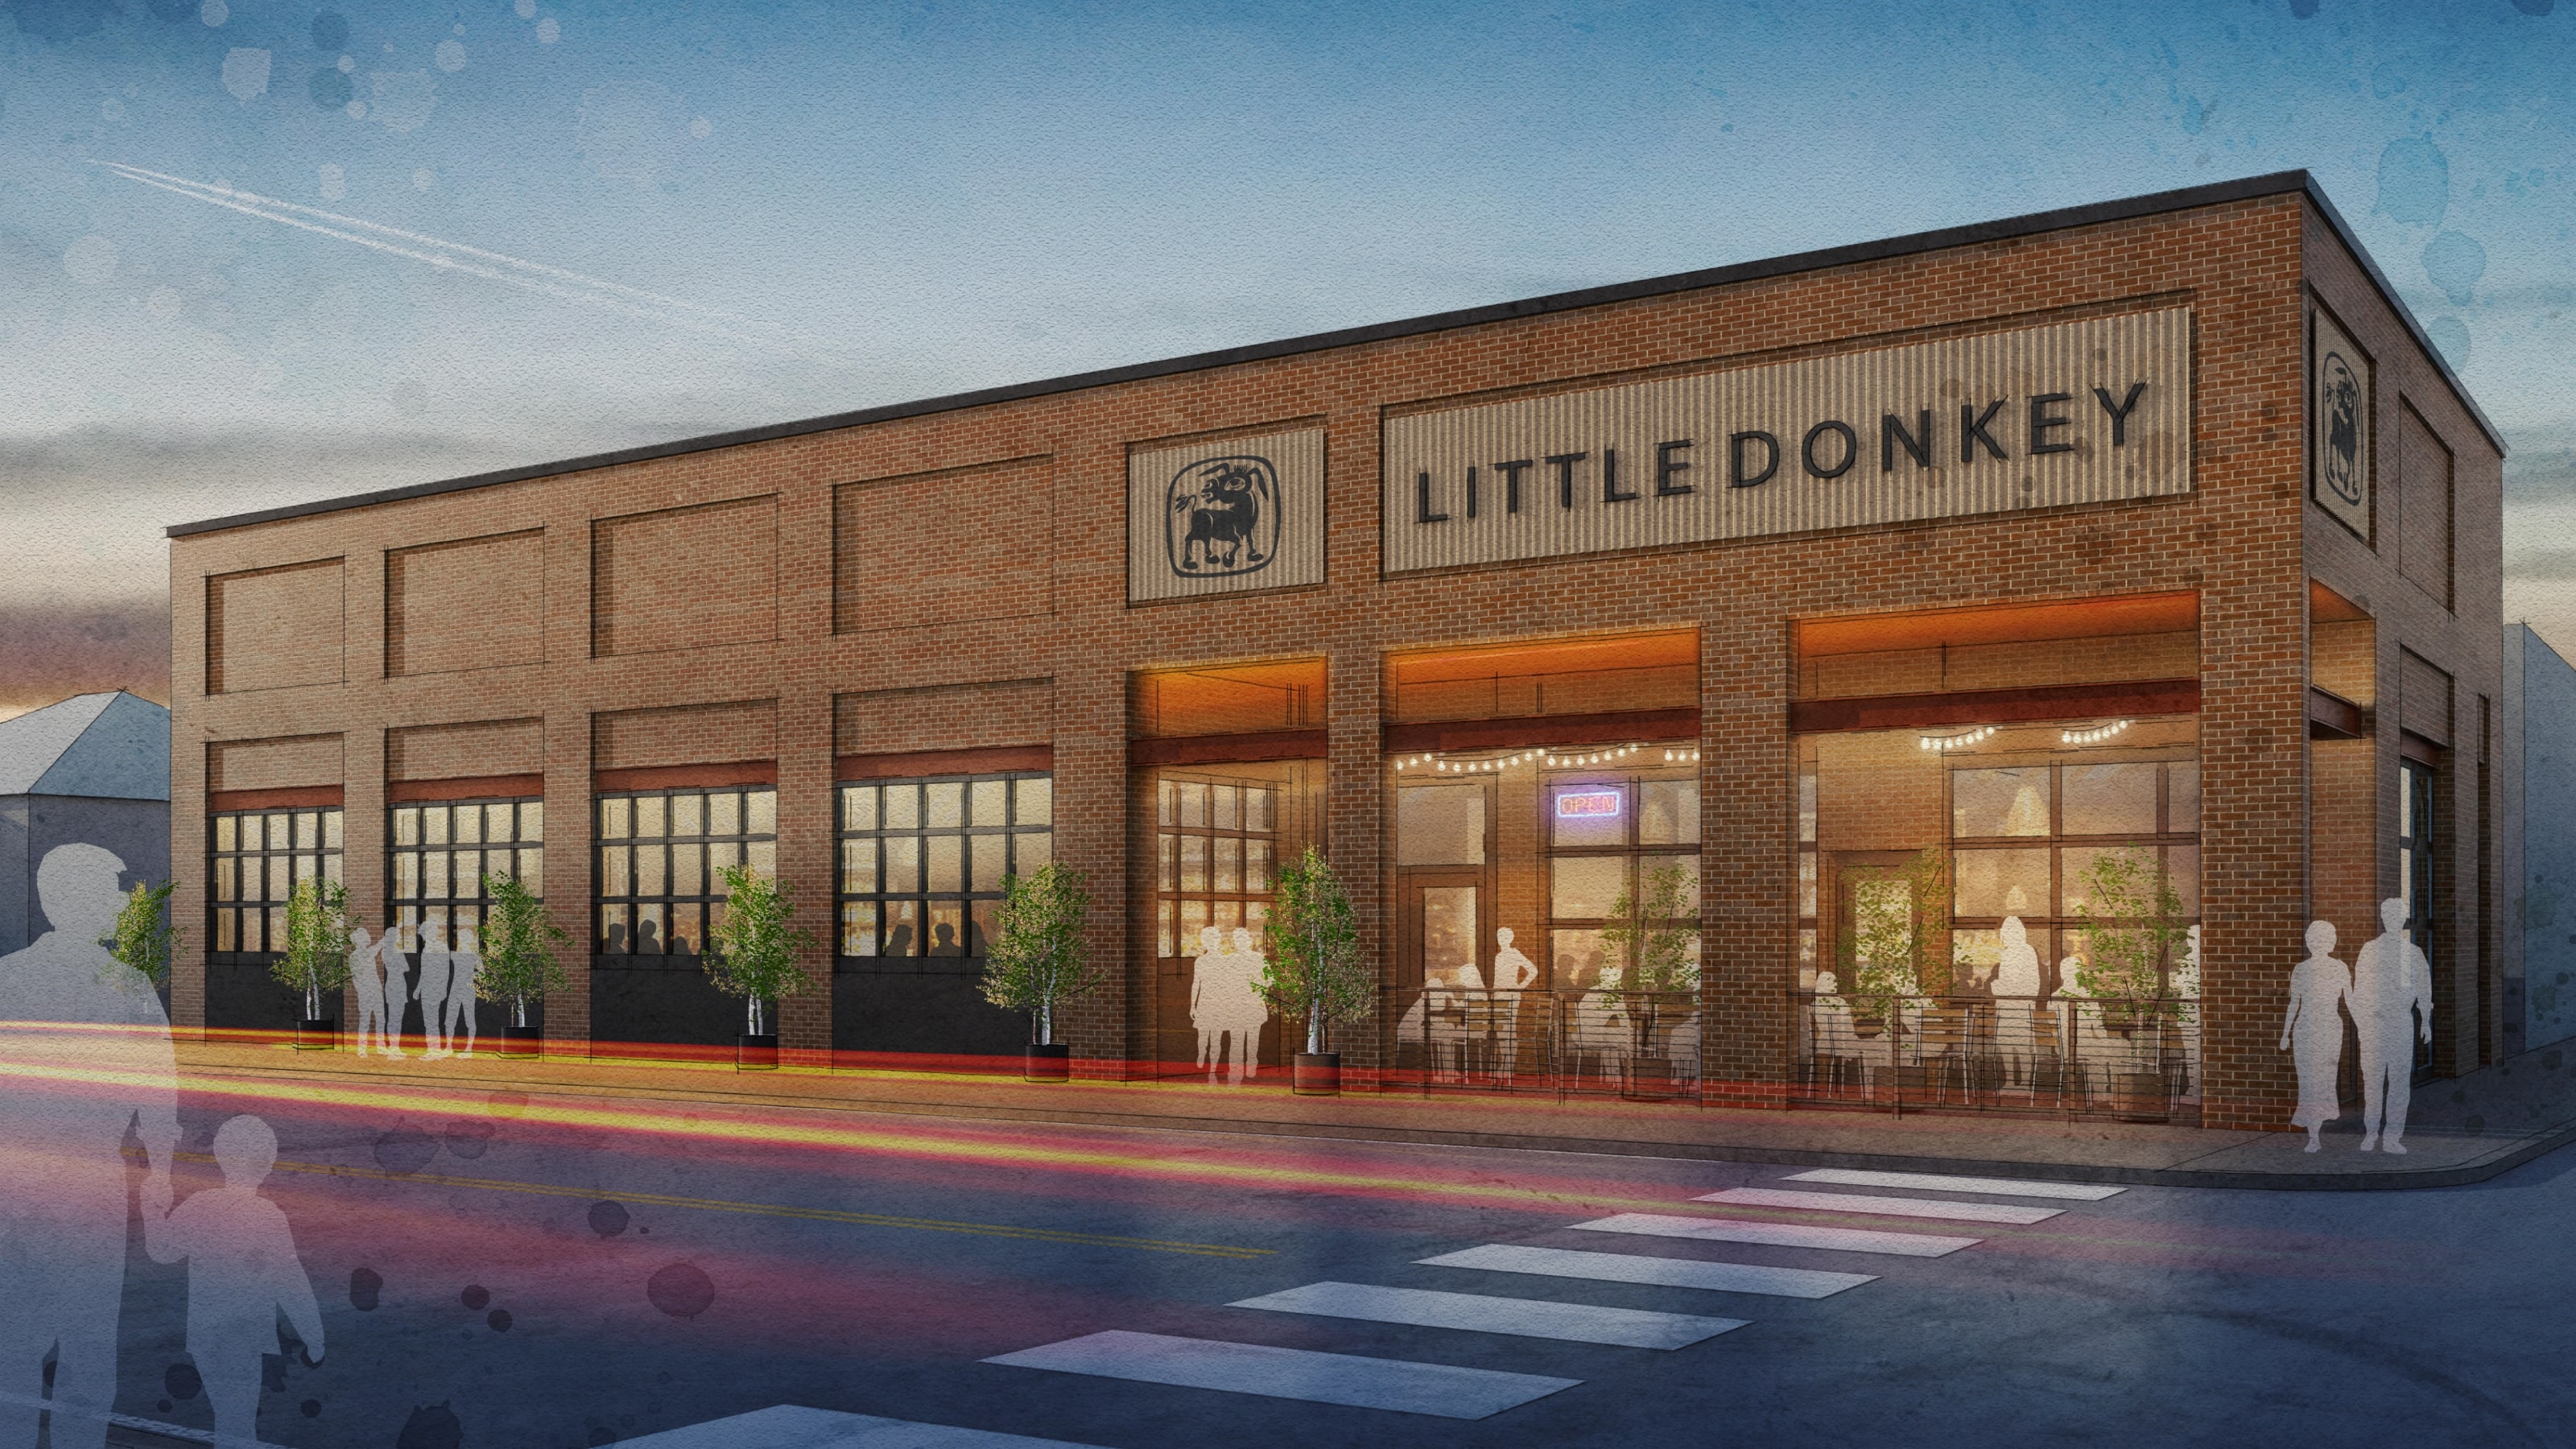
(242, 1269)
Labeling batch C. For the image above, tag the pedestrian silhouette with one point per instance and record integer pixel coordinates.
(85, 1048)
(2320, 987)
(466, 963)
(366, 973)
(437, 970)
(1240, 1009)
(397, 990)
(242, 1272)
(2392, 1005)
(1203, 1007)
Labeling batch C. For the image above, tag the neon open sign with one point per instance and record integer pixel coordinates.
(1587, 804)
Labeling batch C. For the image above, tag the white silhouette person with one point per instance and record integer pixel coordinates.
(2017, 974)
(2318, 987)
(397, 992)
(1512, 970)
(366, 973)
(242, 1272)
(2392, 1004)
(1244, 1011)
(1206, 992)
(86, 1051)
(465, 964)
(437, 972)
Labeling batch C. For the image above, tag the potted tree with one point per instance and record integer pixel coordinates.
(753, 955)
(144, 938)
(518, 959)
(1651, 938)
(2132, 921)
(1314, 968)
(316, 958)
(1896, 920)
(1035, 961)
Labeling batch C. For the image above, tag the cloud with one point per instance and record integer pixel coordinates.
(54, 650)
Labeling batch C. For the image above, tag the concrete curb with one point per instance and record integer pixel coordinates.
(2508, 1155)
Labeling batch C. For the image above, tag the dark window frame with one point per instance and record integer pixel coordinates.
(869, 917)
(704, 906)
(406, 928)
(330, 862)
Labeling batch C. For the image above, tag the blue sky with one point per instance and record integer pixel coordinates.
(688, 217)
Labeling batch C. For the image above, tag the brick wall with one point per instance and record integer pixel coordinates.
(475, 603)
(711, 577)
(944, 717)
(274, 627)
(458, 751)
(277, 764)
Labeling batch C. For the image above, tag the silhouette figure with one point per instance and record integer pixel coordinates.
(616, 945)
(86, 1052)
(242, 1271)
(1512, 970)
(899, 940)
(2318, 986)
(2186, 975)
(2018, 973)
(943, 939)
(2392, 1004)
(366, 972)
(397, 992)
(1240, 1009)
(1203, 1010)
(437, 971)
(466, 963)
(647, 939)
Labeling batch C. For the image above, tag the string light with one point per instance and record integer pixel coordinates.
(1496, 764)
(1976, 736)
(2094, 736)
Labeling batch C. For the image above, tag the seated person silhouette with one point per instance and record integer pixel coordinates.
(899, 940)
(242, 1271)
(647, 939)
(943, 940)
(616, 943)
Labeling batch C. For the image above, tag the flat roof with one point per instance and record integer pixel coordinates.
(2065, 218)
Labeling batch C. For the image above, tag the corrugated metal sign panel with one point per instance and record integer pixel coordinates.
(1226, 516)
(2072, 413)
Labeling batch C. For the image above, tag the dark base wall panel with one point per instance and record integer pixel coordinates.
(943, 1013)
(659, 1004)
(242, 996)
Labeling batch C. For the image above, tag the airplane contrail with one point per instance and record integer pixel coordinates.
(472, 261)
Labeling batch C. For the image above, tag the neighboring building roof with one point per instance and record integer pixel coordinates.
(114, 746)
(2217, 193)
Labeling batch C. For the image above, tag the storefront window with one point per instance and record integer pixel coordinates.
(923, 860)
(1218, 835)
(257, 858)
(440, 853)
(662, 855)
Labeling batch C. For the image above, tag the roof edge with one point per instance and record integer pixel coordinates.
(2064, 218)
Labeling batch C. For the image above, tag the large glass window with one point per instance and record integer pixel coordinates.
(1216, 849)
(923, 860)
(662, 854)
(257, 856)
(1605, 833)
(440, 852)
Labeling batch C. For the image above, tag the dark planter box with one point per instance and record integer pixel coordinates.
(1316, 1074)
(1050, 1063)
(521, 1041)
(2140, 1096)
(316, 1033)
(1646, 1079)
(756, 1053)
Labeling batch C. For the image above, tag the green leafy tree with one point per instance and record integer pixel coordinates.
(518, 948)
(756, 945)
(2132, 921)
(144, 938)
(1035, 962)
(1896, 921)
(316, 961)
(1650, 935)
(1315, 970)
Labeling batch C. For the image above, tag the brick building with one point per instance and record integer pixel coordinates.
(1970, 616)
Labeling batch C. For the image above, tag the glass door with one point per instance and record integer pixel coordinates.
(2415, 847)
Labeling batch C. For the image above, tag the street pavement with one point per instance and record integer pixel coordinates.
(501, 1268)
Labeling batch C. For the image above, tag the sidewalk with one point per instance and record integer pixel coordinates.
(2460, 1131)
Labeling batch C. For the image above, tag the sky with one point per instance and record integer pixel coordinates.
(255, 253)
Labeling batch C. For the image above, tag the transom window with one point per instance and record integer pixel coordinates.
(662, 854)
(440, 853)
(256, 859)
(923, 860)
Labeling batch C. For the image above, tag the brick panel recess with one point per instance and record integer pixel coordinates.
(692, 734)
(270, 628)
(944, 547)
(685, 578)
(944, 717)
(452, 751)
(470, 604)
(273, 764)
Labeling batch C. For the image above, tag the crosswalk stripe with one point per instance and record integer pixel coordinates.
(792, 1426)
(1478, 1313)
(1443, 1390)
(1779, 1235)
(1661, 1272)
(1942, 1182)
(1886, 1207)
